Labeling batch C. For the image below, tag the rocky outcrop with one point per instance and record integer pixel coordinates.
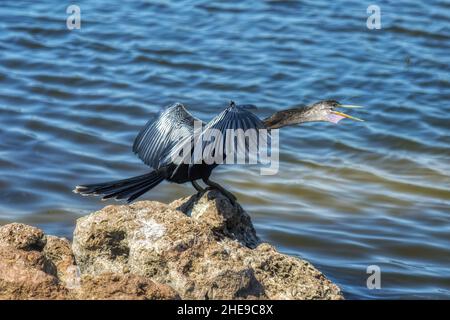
(28, 275)
(37, 266)
(201, 247)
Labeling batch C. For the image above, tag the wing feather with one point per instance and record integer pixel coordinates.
(161, 135)
(168, 148)
(234, 117)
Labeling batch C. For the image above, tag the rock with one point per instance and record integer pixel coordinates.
(21, 236)
(59, 251)
(38, 266)
(215, 210)
(28, 275)
(123, 287)
(202, 246)
(25, 272)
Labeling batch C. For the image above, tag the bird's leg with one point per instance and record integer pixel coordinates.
(217, 186)
(197, 186)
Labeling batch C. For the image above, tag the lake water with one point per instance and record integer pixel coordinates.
(347, 196)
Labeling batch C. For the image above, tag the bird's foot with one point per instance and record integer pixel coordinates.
(217, 186)
(231, 197)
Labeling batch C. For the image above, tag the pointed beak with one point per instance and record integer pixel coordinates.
(350, 106)
(344, 115)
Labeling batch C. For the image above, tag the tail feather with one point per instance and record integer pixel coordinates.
(138, 193)
(126, 192)
(128, 189)
(103, 188)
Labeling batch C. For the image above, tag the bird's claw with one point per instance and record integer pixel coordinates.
(231, 197)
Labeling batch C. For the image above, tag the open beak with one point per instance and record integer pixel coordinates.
(349, 106)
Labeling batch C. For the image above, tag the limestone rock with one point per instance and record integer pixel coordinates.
(203, 247)
(215, 210)
(22, 236)
(38, 266)
(59, 251)
(28, 275)
(123, 287)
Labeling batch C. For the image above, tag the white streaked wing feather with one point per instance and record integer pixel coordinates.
(160, 136)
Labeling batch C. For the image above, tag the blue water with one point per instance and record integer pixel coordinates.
(346, 196)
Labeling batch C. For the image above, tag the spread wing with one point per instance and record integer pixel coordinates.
(161, 135)
(214, 140)
(244, 142)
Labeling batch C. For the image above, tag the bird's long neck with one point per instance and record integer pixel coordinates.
(288, 117)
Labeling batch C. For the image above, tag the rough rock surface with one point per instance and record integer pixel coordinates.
(202, 246)
(28, 275)
(21, 236)
(36, 266)
(124, 287)
(25, 271)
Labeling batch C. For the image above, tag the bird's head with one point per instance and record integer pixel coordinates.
(327, 110)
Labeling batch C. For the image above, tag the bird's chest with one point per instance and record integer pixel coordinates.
(184, 173)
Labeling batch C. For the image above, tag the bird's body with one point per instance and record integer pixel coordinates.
(175, 130)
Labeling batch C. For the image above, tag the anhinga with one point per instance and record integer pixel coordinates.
(161, 137)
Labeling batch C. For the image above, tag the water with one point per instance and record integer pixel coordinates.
(346, 196)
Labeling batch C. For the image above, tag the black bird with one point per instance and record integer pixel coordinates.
(174, 128)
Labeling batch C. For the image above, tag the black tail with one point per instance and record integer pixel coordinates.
(128, 189)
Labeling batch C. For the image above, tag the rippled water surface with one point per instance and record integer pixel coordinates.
(346, 196)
